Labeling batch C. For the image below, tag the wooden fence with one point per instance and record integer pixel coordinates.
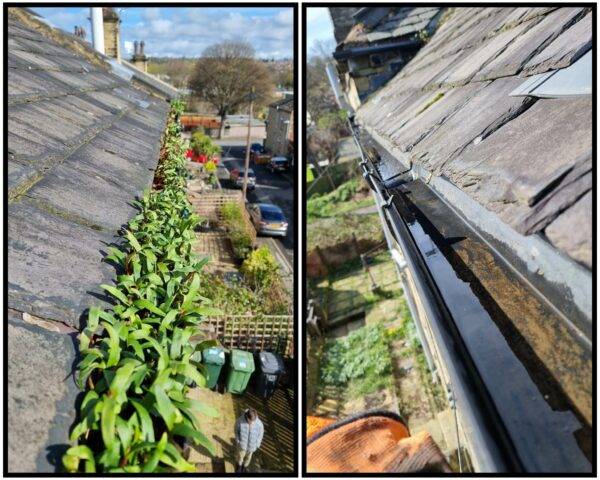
(208, 205)
(253, 332)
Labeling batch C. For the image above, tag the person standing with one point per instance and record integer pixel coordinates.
(249, 432)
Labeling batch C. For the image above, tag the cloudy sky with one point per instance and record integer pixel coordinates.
(318, 28)
(178, 32)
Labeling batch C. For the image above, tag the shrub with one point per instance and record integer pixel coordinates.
(261, 269)
(203, 145)
(320, 206)
(241, 243)
(241, 239)
(237, 298)
(210, 167)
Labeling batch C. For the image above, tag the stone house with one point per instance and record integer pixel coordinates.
(379, 43)
(280, 127)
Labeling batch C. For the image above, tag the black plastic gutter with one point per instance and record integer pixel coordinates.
(511, 407)
(350, 52)
(491, 454)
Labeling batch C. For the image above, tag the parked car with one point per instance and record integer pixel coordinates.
(260, 158)
(268, 219)
(256, 147)
(279, 164)
(237, 177)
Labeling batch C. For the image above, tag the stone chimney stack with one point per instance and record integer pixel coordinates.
(79, 32)
(112, 38)
(139, 59)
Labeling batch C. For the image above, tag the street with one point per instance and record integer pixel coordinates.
(275, 188)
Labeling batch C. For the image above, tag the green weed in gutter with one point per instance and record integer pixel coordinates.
(136, 362)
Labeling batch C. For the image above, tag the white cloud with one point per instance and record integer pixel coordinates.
(128, 47)
(190, 30)
(160, 27)
(151, 13)
(66, 19)
(319, 27)
(316, 14)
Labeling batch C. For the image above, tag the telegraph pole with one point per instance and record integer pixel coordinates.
(252, 96)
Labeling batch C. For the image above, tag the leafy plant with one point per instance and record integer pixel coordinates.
(237, 298)
(136, 357)
(241, 239)
(337, 201)
(261, 269)
(210, 167)
(203, 145)
(360, 362)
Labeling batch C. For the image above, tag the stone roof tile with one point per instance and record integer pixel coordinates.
(508, 153)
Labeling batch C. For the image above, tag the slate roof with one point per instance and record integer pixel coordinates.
(450, 111)
(82, 144)
(384, 23)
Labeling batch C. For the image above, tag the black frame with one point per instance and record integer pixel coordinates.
(305, 7)
(296, 58)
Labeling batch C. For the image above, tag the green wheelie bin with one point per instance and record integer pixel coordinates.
(214, 359)
(241, 366)
(195, 358)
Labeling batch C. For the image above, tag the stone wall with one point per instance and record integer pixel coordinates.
(278, 131)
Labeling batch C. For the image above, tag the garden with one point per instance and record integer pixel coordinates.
(204, 154)
(339, 222)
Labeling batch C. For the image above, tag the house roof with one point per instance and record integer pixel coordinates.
(242, 120)
(384, 23)
(82, 144)
(458, 111)
(286, 104)
(151, 82)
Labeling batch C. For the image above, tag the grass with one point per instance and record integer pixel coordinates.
(331, 231)
(332, 219)
(338, 202)
(408, 332)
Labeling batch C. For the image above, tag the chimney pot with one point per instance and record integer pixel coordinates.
(135, 47)
(142, 47)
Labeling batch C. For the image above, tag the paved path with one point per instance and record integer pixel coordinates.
(276, 453)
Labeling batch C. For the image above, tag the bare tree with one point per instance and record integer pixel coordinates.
(226, 74)
(320, 98)
(329, 121)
